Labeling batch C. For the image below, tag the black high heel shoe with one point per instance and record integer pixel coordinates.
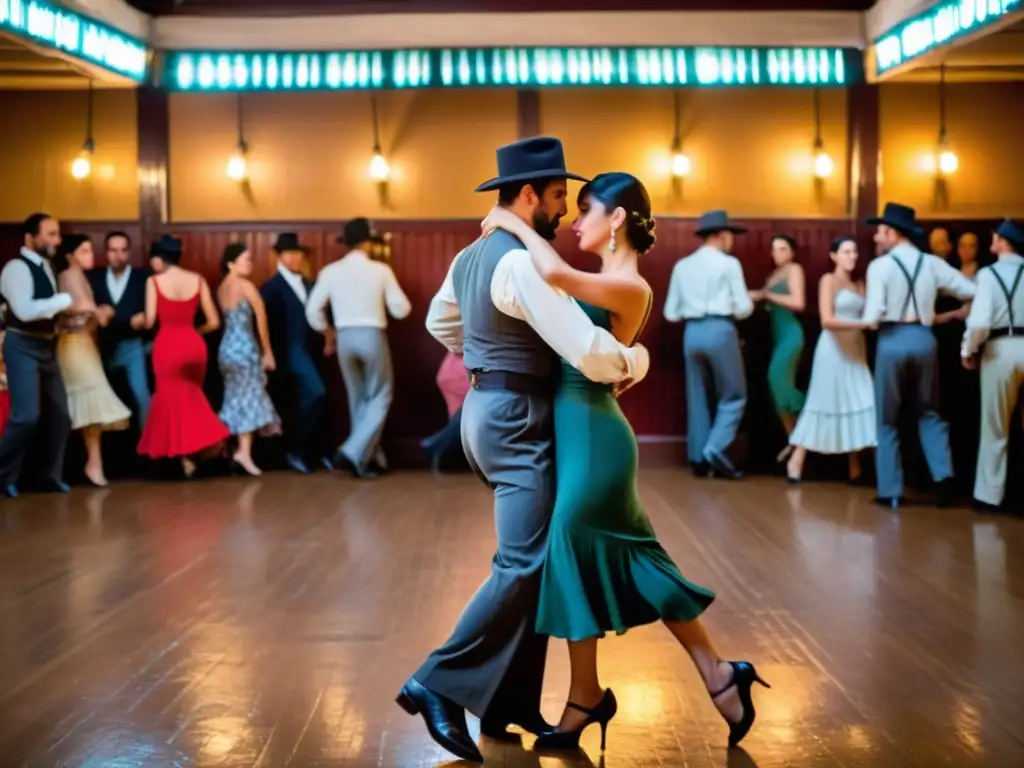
(602, 714)
(743, 678)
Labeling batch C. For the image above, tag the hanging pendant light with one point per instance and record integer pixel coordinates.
(81, 166)
(823, 164)
(380, 171)
(238, 166)
(946, 161)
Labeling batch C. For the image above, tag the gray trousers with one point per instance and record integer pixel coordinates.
(905, 362)
(365, 360)
(493, 662)
(38, 398)
(129, 356)
(716, 386)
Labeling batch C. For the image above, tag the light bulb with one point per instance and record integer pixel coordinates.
(238, 168)
(379, 169)
(681, 165)
(948, 162)
(823, 165)
(82, 166)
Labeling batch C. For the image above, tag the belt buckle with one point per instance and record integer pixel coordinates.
(473, 379)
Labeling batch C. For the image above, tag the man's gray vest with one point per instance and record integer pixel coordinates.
(493, 341)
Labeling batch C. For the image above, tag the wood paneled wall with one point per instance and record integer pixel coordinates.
(421, 253)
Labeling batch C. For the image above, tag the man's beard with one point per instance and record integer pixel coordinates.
(45, 250)
(545, 227)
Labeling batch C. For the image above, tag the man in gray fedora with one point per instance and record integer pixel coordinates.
(496, 310)
(902, 284)
(708, 291)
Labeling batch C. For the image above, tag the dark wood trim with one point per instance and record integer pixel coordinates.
(154, 154)
(527, 113)
(863, 146)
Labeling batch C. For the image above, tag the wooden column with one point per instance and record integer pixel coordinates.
(154, 141)
(864, 147)
(528, 112)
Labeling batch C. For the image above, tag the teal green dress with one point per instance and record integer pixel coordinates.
(787, 346)
(605, 570)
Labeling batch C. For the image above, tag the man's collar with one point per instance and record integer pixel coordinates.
(287, 274)
(1015, 257)
(124, 272)
(32, 256)
(904, 247)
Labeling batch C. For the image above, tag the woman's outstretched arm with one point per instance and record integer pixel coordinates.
(612, 292)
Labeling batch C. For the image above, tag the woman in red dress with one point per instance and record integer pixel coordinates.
(181, 423)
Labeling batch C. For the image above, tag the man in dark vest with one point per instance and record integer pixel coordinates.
(122, 348)
(496, 310)
(296, 348)
(37, 391)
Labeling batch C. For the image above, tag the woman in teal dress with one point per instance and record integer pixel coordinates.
(605, 570)
(784, 295)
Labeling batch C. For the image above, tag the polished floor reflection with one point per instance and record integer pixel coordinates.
(269, 623)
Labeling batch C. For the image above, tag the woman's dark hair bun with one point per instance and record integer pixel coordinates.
(231, 253)
(623, 190)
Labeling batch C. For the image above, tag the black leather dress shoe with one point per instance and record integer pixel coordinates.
(701, 469)
(341, 461)
(497, 728)
(296, 464)
(327, 464)
(445, 720)
(722, 466)
(893, 503)
(54, 486)
(10, 491)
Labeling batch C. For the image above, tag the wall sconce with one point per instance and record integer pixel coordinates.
(238, 166)
(81, 167)
(380, 171)
(946, 161)
(823, 164)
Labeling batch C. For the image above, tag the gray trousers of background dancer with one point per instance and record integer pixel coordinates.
(365, 360)
(493, 654)
(905, 363)
(716, 386)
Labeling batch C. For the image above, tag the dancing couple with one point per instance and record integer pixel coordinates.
(581, 559)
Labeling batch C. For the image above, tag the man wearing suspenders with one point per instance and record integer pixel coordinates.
(902, 285)
(995, 328)
(707, 290)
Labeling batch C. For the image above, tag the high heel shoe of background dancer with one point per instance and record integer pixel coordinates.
(602, 714)
(743, 678)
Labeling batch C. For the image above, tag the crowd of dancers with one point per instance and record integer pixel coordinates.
(71, 329)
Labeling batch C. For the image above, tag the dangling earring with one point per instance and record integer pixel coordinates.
(611, 243)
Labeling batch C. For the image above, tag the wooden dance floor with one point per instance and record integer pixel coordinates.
(270, 623)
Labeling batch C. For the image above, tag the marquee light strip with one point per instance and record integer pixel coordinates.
(74, 34)
(936, 27)
(510, 67)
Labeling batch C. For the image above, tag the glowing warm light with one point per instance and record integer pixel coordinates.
(238, 168)
(948, 162)
(379, 168)
(82, 166)
(681, 165)
(823, 165)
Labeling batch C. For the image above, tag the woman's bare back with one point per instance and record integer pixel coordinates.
(628, 323)
(178, 284)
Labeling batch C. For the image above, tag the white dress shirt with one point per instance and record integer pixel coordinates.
(990, 310)
(16, 285)
(117, 284)
(888, 288)
(294, 279)
(707, 282)
(518, 290)
(362, 292)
